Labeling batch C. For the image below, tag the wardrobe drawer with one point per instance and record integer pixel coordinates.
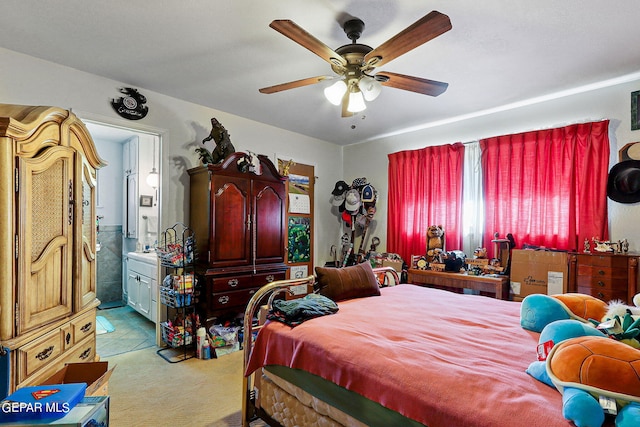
(232, 283)
(265, 278)
(84, 351)
(83, 326)
(38, 353)
(223, 300)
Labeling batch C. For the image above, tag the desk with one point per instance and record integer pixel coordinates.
(498, 285)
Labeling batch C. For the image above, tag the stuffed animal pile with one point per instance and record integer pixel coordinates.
(588, 351)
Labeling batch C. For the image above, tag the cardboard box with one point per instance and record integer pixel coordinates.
(95, 374)
(538, 272)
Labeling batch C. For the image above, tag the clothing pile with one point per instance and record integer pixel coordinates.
(294, 312)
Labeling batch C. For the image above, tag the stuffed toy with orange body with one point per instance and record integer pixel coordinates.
(595, 374)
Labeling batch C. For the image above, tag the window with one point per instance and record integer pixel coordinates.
(547, 188)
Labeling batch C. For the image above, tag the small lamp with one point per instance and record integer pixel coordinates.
(369, 87)
(356, 102)
(335, 92)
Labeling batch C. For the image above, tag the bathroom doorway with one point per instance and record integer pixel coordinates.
(128, 202)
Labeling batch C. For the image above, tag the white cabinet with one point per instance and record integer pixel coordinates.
(142, 284)
(130, 156)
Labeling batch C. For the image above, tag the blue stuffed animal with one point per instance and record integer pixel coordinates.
(584, 364)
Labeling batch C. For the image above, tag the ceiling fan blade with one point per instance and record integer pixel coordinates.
(427, 28)
(413, 84)
(294, 84)
(296, 33)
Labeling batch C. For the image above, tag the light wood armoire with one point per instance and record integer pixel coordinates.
(48, 302)
(238, 217)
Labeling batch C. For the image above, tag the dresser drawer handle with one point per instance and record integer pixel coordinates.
(87, 327)
(67, 338)
(600, 283)
(600, 295)
(223, 299)
(600, 272)
(44, 354)
(233, 283)
(85, 354)
(270, 278)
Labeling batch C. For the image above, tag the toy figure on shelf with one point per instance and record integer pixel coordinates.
(435, 240)
(221, 137)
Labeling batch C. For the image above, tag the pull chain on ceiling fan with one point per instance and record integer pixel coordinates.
(354, 63)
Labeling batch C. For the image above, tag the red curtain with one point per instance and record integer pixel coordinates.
(547, 187)
(425, 188)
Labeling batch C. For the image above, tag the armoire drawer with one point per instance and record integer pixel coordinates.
(39, 353)
(224, 300)
(234, 283)
(265, 278)
(83, 326)
(231, 283)
(84, 351)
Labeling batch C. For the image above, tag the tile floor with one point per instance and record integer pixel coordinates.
(132, 332)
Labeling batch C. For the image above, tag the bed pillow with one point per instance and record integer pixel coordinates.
(348, 282)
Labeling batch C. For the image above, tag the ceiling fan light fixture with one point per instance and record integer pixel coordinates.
(356, 102)
(369, 87)
(335, 92)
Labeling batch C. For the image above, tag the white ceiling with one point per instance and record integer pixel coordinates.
(219, 53)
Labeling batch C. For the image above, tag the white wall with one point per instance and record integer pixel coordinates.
(109, 199)
(613, 103)
(30, 81)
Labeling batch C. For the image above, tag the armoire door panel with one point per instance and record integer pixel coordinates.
(230, 229)
(268, 209)
(86, 270)
(45, 218)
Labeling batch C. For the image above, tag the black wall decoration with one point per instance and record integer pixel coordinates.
(131, 105)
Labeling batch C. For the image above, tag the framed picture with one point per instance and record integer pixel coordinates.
(635, 118)
(146, 201)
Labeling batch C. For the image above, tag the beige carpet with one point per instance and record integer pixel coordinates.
(146, 390)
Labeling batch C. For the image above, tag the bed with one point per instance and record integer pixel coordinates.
(408, 356)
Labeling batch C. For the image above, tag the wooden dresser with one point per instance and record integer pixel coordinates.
(498, 285)
(239, 221)
(48, 238)
(606, 276)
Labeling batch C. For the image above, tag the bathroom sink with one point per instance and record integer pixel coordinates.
(148, 257)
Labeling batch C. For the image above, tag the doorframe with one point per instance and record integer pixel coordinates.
(116, 123)
(163, 138)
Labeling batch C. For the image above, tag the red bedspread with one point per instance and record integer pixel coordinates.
(440, 358)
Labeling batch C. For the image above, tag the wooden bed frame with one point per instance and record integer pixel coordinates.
(266, 295)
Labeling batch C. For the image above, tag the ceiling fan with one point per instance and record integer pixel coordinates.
(354, 63)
